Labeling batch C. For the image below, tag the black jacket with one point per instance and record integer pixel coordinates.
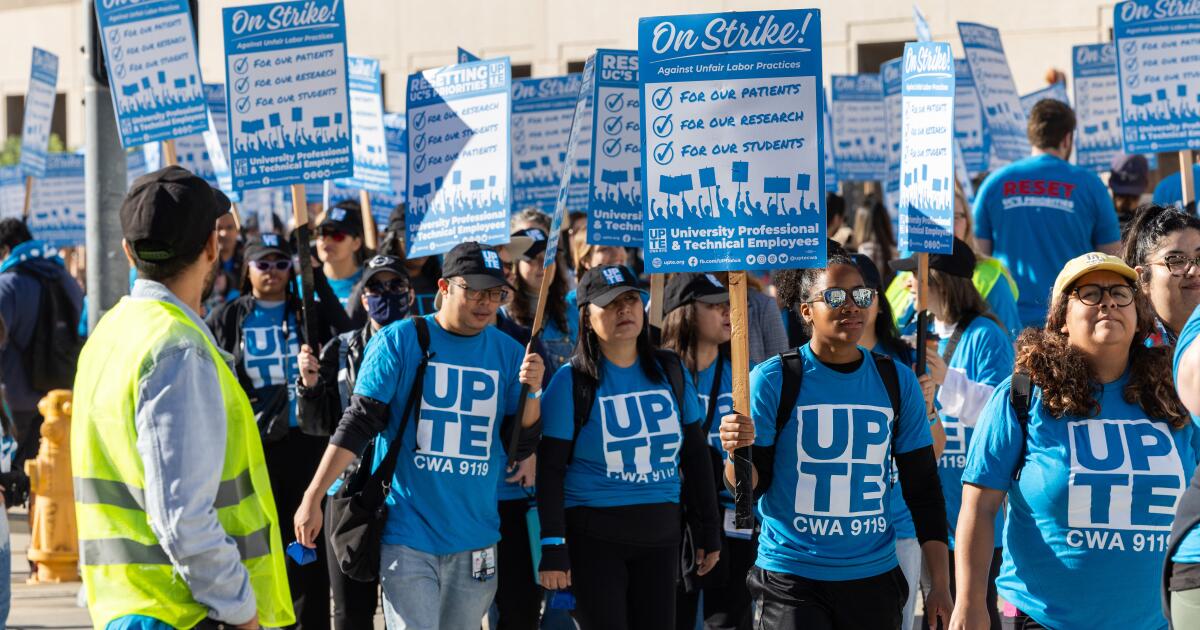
(320, 407)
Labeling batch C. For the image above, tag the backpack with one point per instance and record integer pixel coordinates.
(584, 390)
(54, 346)
(1020, 396)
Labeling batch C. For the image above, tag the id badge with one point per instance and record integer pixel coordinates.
(731, 529)
(483, 564)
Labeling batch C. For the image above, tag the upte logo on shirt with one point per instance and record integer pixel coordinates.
(458, 412)
(841, 452)
(266, 356)
(1125, 475)
(958, 438)
(641, 434)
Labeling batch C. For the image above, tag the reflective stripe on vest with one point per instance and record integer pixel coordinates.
(102, 551)
(107, 492)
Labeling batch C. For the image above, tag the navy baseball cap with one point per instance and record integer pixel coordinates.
(602, 285)
(1129, 175)
(684, 288)
(478, 265)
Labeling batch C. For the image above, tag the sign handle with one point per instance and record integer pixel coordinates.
(237, 216)
(1185, 177)
(922, 315)
(534, 332)
(308, 306)
(169, 156)
(657, 282)
(370, 232)
(28, 197)
(743, 490)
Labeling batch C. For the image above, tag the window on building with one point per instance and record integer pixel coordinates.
(575, 66)
(14, 116)
(871, 56)
(522, 70)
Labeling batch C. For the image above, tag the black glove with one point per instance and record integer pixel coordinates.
(16, 488)
(555, 558)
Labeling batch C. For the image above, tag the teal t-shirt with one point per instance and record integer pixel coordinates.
(344, 287)
(270, 350)
(1189, 547)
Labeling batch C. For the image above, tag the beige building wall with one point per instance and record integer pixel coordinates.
(409, 35)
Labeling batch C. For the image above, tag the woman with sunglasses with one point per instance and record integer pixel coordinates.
(971, 356)
(340, 248)
(609, 489)
(1092, 448)
(1162, 244)
(822, 467)
(261, 329)
(324, 393)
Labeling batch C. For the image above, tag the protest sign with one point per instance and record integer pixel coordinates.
(927, 171)
(216, 138)
(12, 192)
(135, 166)
(997, 92)
(859, 127)
(615, 193)
(890, 75)
(1056, 91)
(191, 152)
(459, 159)
(970, 128)
(831, 173)
(1097, 105)
(465, 56)
(742, 93)
(39, 109)
(542, 110)
(56, 214)
(368, 141)
(289, 107)
(150, 53)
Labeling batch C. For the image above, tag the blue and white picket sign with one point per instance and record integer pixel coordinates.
(615, 193)
(579, 172)
(733, 136)
(831, 172)
(1056, 91)
(216, 139)
(580, 127)
(997, 91)
(371, 168)
(859, 127)
(924, 34)
(459, 156)
(12, 192)
(542, 110)
(970, 127)
(39, 109)
(891, 74)
(135, 165)
(1157, 45)
(150, 52)
(56, 213)
(289, 106)
(382, 203)
(192, 154)
(927, 177)
(268, 205)
(1097, 105)
(466, 56)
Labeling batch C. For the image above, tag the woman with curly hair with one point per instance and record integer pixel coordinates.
(1092, 452)
(1162, 244)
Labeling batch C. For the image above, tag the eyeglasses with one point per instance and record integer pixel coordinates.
(337, 236)
(1178, 264)
(1093, 294)
(836, 297)
(390, 287)
(268, 265)
(475, 295)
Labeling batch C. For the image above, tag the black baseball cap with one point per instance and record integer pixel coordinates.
(268, 243)
(478, 265)
(170, 214)
(380, 264)
(960, 262)
(527, 243)
(344, 217)
(1129, 175)
(868, 270)
(684, 288)
(602, 285)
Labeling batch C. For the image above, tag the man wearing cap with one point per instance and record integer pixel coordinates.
(176, 516)
(438, 554)
(1127, 179)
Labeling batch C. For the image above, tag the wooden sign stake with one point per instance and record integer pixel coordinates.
(308, 304)
(370, 233)
(922, 314)
(1185, 177)
(170, 158)
(534, 332)
(743, 491)
(657, 281)
(28, 197)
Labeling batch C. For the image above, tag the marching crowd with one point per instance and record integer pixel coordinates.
(243, 460)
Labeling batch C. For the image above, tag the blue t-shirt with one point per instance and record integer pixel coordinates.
(270, 350)
(825, 516)
(985, 354)
(899, 513)
(443, 497)
(1088, 520)
(704, 384)
(1039, 213)
(1169, 192)
(1189, 547)
(627, 452)
(344, 287)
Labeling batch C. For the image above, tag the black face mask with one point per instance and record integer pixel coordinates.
(387, 308)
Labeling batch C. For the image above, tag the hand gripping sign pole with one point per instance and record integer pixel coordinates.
(308, 306)
(743, 491)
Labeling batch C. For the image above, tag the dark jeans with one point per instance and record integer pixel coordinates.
(791, 602)
(518, 596)
(291, 463)
(622, 587)
(354, 602)
(727, 604)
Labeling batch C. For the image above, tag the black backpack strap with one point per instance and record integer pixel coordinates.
(387, 468)
(713, 393)
(673, 368)
(583, 394)
(959, 329)
(789, 391)
(1020, 396)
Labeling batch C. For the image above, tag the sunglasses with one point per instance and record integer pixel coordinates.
(336, 236)
(385, 288)
(268, 265)
(836, 297)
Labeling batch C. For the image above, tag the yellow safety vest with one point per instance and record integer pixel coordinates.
(988, 272)
(125, 570)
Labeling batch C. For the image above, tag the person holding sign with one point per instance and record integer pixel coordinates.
(1163, 245)
(1092, 448)
(1037, 213)
(623, 423)
(438, 555)
(558, 334)
(340, 248)
(827, 543)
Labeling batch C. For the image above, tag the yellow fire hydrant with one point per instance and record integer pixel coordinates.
(53, 543)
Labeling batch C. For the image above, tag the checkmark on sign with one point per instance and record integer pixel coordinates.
(612, 147)
(662, 98)
(419, 120)
(242, 85)
(614, 102)
(240, 66)
(613, 124)
(419, 142)
(419, 163)
(663, 126)
(243, 104)
(664, 153)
